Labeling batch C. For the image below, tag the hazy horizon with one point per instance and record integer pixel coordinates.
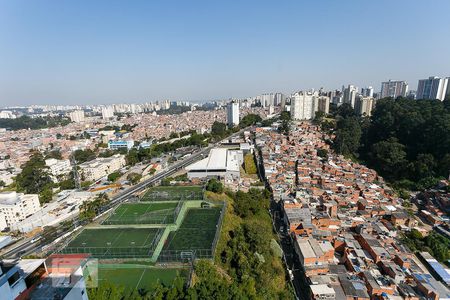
(102, 52)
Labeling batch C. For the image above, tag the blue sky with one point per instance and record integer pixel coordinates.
(92, 52)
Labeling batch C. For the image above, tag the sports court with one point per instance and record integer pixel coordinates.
(163, 193)
(115, 242)
(138, 277)
(144, 213)
(197, 231)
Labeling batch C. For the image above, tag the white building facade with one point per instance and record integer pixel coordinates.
(77, 116)
(433, 88)
(15, 207)
(394, 89)
(232, 114)
(303, 105)
(107, 112)
(350, 95)
(58, 167)
(101, 167)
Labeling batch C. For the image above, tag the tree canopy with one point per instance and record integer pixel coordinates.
(35, 179)
(406, 141)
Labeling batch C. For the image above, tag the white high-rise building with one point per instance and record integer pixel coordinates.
(280, 99)
(367, 92)
(364, 106)
(267, 99)
(232, 114)
(350, 95)
(15, 207)
(302, 105)
(394, 89)
(7, 114)
(322, 103)
(107, 112)
(77, 116)
(433, 88)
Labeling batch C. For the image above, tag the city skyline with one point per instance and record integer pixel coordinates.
(105, 52)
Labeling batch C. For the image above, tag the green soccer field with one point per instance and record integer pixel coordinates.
(115, 237)
(197, 231)
(143, 213)
(161, 193)
(138, 277)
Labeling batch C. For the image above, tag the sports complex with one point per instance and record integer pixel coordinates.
(167, 224)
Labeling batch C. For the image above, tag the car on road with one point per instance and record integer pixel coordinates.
(35, 239)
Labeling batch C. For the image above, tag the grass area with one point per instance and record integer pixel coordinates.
(143, 213)
(230, 221)
(197, 231)
(138, 277)
(249, 164)
(161, 193)
(115, 237)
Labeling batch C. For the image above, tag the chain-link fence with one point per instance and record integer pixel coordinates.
(111, 251)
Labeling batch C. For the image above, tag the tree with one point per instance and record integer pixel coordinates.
(319, 116)
(250, 119)
(322, 153)
(46, 195)
(34, 177)
(348, 136)
(2, 183)
(424, 166)
(174, 135)
(132, 157)
(134, 177)
(56, 154)
(388, 157)
(285, 126)
(114, 176)
(82, 156)
(345, 111)
(218, 129)
(214, 186)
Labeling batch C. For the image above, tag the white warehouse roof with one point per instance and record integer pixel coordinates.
(218, 159)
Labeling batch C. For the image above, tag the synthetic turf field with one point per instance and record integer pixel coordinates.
(159, 193)
(143, 213)
(135, 277)
(115, 238)
(197, 231)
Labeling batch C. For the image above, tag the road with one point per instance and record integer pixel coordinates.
(25, 247)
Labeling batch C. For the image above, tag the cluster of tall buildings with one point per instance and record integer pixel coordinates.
(304, 105)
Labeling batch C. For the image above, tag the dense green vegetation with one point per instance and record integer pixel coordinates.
(82, 156)
(436, 244)
(35, 179)
(90, 209)
(135, 156)
(250, 119)
(406, 141)
(25, 122)
(285, 126)
(114, 176)
(134, 177)
(214, 186)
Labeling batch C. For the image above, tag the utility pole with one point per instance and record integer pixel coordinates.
(76, 176)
